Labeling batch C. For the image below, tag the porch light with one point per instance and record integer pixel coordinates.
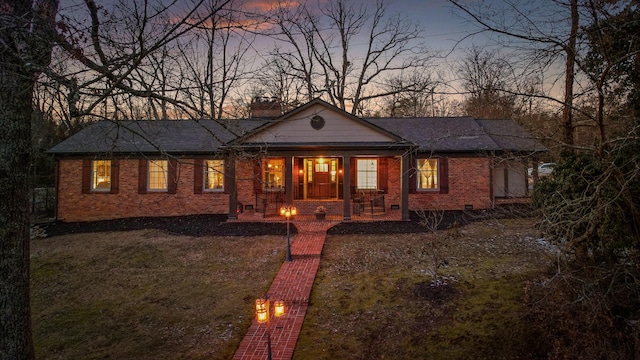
(288, 212)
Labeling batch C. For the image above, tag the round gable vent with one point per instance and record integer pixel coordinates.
(317, 122)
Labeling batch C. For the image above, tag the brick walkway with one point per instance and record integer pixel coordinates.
(293, 285)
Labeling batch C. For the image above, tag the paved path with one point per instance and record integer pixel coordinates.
(293, 285)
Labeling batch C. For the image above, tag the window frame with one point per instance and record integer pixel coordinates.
(205, 173)
(266, 172)
(165, 170)
(435, 172)
(368, 173)
(100, 169)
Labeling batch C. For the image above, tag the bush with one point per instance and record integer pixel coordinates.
(589, 205)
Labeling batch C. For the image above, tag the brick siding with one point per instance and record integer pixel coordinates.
(469, 184)
(75, 206)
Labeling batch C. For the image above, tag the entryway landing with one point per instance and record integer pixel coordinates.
(334, 213)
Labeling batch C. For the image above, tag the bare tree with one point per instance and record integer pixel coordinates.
(324, 54)
(106, 52)
(277, 78)
(26, 30)
(415, 101)
(489, 79)
(544, 36)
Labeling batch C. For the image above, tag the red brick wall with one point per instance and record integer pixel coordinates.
(394, 195)
(75, 206)
(244, 183)
(469, 184)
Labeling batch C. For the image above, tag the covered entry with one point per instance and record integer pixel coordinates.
(318, 178)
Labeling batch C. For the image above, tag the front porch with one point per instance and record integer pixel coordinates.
(334, 212)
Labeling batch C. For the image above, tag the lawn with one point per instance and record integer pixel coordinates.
(456, 294)
(147, 295)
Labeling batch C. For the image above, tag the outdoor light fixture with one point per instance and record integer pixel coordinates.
(278, 308)
(262, 310)
(288, 212)
(262, 316)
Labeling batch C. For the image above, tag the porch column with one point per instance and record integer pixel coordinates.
(346, 187)
(288, 180)
(230, 179)
(405, 167)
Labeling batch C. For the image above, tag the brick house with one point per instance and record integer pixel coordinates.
(314, 154)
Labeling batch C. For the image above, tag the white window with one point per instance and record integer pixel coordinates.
(427, 174)
(158, 175)
(101, 175)
(274, 174)
(367, 170)
(214, 175)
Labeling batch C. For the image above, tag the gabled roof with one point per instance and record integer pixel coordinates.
(437, 134)
(285, 127)
(153, 136)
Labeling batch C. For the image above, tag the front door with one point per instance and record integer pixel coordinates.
(321, 178)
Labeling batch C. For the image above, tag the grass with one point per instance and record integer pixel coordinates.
(374, 297)
(146, 294)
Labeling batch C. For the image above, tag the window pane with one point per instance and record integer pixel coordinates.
(214, 175)
(274, 174)
(367, 173)
(158, 171)
(428, 174)
(101, 175)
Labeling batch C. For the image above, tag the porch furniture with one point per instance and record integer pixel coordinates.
(376, 203)
(368, 201)
(358, 203)
(267, 200)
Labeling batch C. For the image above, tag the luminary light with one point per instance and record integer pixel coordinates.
(262, 310)
(294, 211)
(278, 308)
(262, 316)
(283, 211)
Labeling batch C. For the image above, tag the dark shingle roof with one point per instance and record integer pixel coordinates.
(181, 136)
(510, 136)
(440, 133)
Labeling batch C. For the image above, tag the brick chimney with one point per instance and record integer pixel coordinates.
(264, 107)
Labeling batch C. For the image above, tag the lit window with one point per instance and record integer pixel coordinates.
(214, 175)
(101, 175)
(158, 173)
(367, 173)
(322, 167)
(427, 174)
(274, 174)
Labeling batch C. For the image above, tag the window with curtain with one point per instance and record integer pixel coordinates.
(158, 174)
(101, 175)
(427, 174)
(213, 175)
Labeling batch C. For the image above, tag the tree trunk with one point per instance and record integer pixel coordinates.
(567, 111)
(26, 46)
(15, 160)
